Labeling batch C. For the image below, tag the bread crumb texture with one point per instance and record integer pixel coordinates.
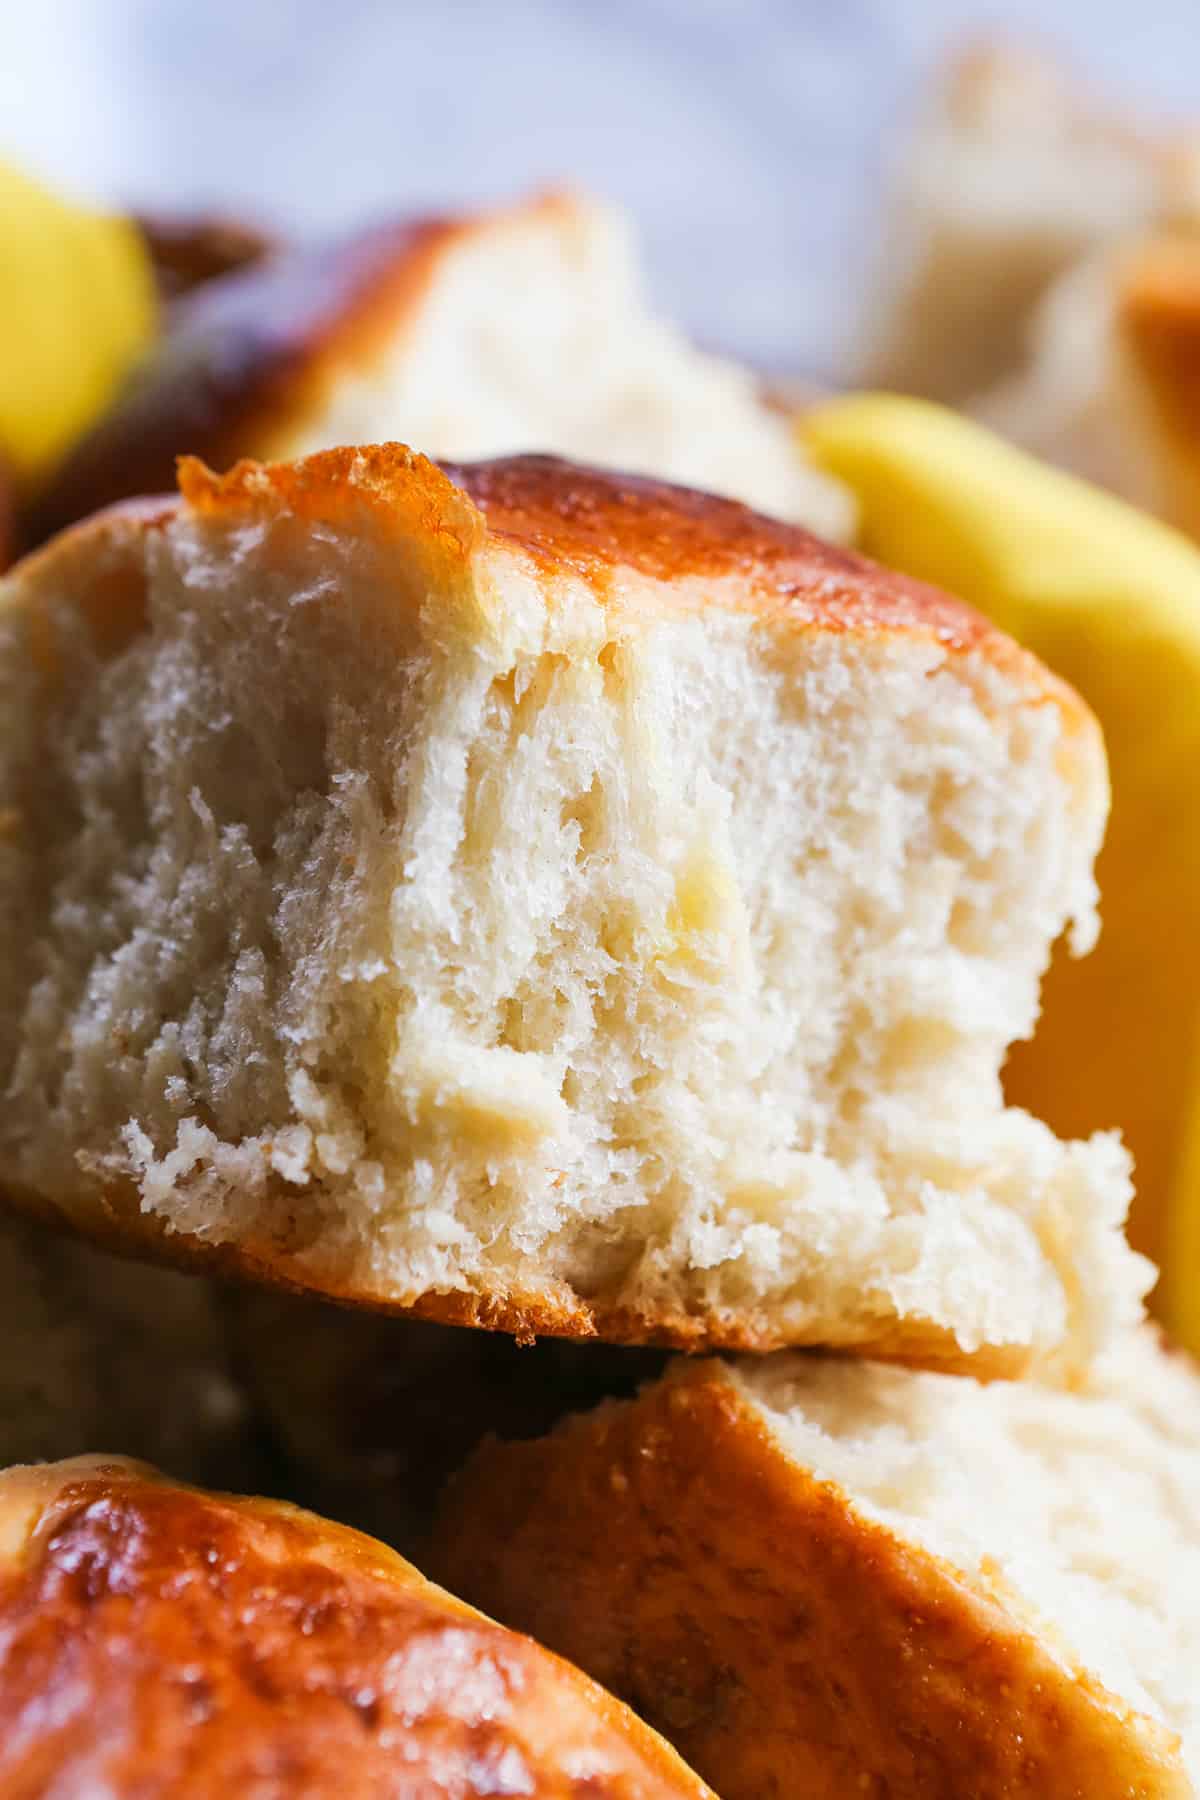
(1081, 1511)
(826, 1575)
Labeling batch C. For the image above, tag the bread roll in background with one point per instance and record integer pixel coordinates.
(518, 329)
(1014, 173)
(1107, 388)
(161, 1641)
(539, 898)
(97, 1350)
(825, 1576)
(1157, 329)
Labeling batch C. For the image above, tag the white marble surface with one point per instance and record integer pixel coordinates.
(746, 136)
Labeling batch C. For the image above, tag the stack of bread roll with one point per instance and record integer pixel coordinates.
(528, 897)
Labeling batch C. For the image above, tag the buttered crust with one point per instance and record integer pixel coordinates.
(159, 1640)
(571, 520)
(784, 1642)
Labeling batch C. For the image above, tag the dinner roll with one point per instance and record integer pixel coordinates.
(1014, 173)
(157, 1640)
(1157, 331)
(827, 1577)
(95, 1349)
(1108, 389)
(541, 898)
(517, 329)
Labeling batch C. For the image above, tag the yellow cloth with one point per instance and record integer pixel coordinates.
(1111, 599)
(77, 304)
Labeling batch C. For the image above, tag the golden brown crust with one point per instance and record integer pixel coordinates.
(591, 524)
(115, 1221)
(572, 521)
(596, 524)
(251, 356)
(158, 1640)
(786, 1644)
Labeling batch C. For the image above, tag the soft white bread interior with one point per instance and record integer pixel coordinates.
(1013, 174)
(549, 899)
(1082, 1510)
(836, 1576)
(96, 1349)
(525, 328)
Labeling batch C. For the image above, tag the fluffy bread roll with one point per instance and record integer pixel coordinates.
(1070, 401)
(829, 1577)
(96, 1349)
(156, 1641)
(546, 899)
(1109, 386)
(518, 329)
(1014, 173)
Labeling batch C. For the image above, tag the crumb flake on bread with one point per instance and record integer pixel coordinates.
(162, 1641)
(518, 329)
(533, 896)
(824, 1575)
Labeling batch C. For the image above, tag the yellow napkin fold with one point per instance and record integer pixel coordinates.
(77, 304)
(1110, 598)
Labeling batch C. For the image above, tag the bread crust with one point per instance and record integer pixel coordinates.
(580, 523)
(118, 1224)
(784, 1642)
(159, 1640)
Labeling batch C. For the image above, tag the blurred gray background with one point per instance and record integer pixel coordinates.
(747, 137)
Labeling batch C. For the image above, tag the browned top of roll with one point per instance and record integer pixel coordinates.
(158, 1640)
